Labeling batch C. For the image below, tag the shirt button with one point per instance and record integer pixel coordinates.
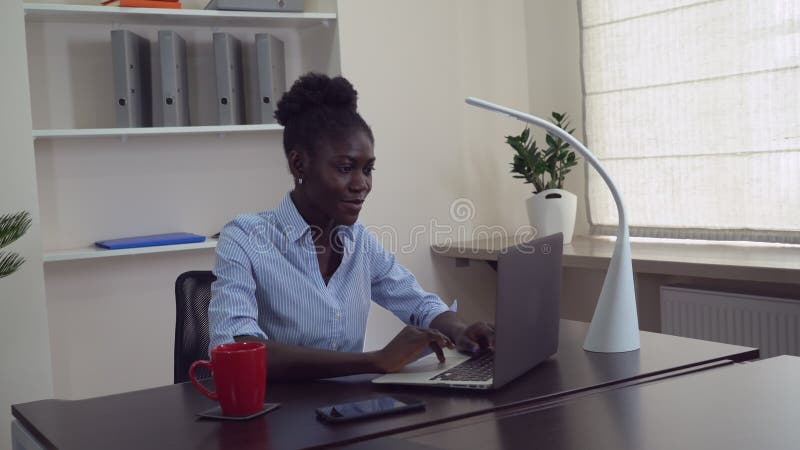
(334, 346)
(338, 315)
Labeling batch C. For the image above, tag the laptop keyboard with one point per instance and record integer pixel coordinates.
(477, 368)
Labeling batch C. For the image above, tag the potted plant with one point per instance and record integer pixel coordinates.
(551, 209)
(12, 227)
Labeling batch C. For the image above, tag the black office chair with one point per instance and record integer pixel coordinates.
(192, 296)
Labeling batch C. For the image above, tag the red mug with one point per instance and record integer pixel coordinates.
(239, 370)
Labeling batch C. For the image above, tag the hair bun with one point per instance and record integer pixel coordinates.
(313, 91)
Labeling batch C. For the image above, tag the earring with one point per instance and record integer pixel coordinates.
(299, 181)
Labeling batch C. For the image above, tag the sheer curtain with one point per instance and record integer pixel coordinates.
(694, 109)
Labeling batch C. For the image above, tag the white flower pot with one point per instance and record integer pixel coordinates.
(553, 211)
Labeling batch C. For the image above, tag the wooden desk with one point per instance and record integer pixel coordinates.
(740, 406)
(165, 417)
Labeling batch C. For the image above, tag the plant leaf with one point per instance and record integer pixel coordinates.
(9, 263)
(544, 167)
(13, 226)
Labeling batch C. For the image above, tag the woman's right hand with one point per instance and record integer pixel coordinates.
(407, 345)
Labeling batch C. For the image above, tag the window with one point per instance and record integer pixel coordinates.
(694, 109)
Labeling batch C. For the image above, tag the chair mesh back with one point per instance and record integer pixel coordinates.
(192, 296)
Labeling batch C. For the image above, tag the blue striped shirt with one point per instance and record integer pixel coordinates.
(269, 284)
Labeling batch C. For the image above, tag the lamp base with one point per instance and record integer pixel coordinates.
(615, 325)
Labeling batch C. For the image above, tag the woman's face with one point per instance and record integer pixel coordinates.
(339, 177)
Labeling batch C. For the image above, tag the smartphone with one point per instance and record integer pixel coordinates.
(368, 408)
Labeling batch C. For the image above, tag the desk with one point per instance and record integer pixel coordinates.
(164, 417)
(741, 406)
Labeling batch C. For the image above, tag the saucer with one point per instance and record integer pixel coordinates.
(216, 412)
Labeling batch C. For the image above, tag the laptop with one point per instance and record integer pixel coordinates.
(526, 324)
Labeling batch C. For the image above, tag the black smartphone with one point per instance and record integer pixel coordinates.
(368, 408)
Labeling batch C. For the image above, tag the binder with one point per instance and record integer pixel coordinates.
(257, 5)
(150, 240)
(271, 75)
(131, 58)
(174, 96)
(228, 68)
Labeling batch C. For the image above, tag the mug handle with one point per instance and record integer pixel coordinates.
(200, 387)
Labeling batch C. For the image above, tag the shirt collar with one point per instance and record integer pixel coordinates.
(293, 224)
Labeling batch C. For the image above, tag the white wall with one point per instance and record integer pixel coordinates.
(413, 63)
(554, 77)
(25, 373)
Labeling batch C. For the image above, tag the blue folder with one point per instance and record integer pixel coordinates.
(150, 241)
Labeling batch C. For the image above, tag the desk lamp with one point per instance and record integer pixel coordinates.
(615, 325)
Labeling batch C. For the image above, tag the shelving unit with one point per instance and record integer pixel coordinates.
(154, 131)
(96, 181)
(94, 252)
(91, 186)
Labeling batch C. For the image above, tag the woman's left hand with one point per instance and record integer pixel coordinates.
(476, 338)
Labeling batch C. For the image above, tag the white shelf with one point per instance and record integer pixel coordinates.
(95, 252)
(153, 131)
(728, 261)
(50, 12)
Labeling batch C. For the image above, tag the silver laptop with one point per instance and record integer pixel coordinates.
(526, 324)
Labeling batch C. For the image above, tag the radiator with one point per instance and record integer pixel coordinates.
(770, 324)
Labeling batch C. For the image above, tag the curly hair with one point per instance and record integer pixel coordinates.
(319, 108)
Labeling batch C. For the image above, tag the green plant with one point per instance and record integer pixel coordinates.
(12, 227)
(544, 168)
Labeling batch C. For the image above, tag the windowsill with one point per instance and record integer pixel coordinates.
(735, 261)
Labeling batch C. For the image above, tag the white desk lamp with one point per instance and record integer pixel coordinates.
(615, 325)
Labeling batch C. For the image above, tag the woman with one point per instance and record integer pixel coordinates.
(300, 277)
